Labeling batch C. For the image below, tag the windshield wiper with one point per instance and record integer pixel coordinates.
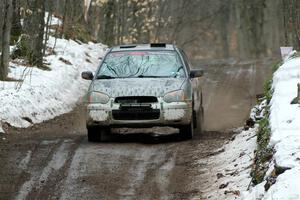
(143, 76)
(178, 70)
(105, 77)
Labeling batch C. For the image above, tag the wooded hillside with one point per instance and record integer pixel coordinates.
(205, 29)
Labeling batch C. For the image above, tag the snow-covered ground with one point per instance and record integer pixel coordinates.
(285, 135)
(43, 95)
(230, 175)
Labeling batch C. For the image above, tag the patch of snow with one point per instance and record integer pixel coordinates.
(231, 172)
(288, 152)
(287, 186)
(43, 95)
(258, 111)
(285, 133)
(285, 117)
(256, 193)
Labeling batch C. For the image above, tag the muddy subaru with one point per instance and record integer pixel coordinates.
(145, 85)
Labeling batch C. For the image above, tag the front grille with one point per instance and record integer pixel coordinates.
(136, 99)
(136, 113)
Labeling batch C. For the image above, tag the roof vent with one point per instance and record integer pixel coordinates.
(127, 46)
(162, 45)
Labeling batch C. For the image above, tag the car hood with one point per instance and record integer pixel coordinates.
(137, 86)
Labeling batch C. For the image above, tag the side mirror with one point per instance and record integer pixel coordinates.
(87, 75)
(196, 73)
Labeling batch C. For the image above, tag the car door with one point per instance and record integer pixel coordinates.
(196, 84)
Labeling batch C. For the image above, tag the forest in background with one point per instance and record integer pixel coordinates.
(204, 29)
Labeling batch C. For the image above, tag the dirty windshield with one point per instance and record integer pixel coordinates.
(141, 64)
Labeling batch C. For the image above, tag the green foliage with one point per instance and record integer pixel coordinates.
(268, 91)
(264, 152)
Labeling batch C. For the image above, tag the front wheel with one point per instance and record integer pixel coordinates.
(96, 134)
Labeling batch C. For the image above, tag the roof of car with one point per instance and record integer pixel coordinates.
(152, 46)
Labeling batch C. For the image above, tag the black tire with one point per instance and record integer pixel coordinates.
(96, 134)
(93, 134)
(186, 132)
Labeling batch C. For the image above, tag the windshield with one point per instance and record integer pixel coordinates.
(141, 64)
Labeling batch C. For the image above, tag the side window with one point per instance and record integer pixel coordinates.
(185, 59)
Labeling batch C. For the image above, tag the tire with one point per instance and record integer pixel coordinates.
(93, 134)
(96, 134)
(186, 132)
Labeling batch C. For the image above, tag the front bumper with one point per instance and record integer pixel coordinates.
(164, 114)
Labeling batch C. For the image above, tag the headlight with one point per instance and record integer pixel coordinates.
(175, 96)
(98, 97)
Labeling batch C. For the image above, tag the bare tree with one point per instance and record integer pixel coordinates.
(1, 21)
(224, 20)
(16, 28)
(4, 62)
(34, 24)
(109, 25)
(292, 22)
(248, 28)
(250, 22)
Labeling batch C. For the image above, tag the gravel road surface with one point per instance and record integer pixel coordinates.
(54, 160)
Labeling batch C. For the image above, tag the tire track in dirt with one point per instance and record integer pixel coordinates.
(56, 158)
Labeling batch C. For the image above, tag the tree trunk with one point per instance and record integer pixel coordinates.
(292, 23)
(224, 18)
(1, 22)
(16, 28)
(250, 17)
(47, 26)
(65, 18)
(109, 23)
(4, 62)
(34, 28)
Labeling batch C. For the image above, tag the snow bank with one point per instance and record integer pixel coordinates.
(285, 134)
(285, 117)
(44, 95)
(286, 188)
(231, 172)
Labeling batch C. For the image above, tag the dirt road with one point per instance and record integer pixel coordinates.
(230, 89)
(54, 160)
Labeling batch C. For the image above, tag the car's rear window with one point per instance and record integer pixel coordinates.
(142, 64)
